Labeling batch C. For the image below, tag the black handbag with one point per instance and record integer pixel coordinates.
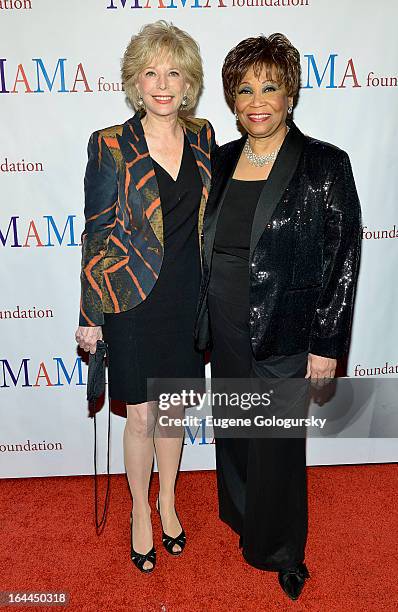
(96, 388)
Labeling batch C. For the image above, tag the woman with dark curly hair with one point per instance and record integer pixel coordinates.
(281, 254)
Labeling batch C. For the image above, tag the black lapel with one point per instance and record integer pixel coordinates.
(280, 176)
(225, 163)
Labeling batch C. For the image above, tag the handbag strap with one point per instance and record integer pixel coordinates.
(100, 525)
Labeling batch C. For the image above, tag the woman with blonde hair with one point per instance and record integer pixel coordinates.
(146, 188)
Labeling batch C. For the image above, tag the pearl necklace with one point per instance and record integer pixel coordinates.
(260, 160)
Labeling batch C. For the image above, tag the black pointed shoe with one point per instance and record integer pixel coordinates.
(139, 559)
(292, 580)
(169, 542)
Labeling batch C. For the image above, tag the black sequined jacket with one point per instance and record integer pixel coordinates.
(304, 249)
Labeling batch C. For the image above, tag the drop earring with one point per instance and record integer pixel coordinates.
(184, 102)
(290, 110)
(140, 102)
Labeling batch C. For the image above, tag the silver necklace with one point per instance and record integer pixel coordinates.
(260, 160)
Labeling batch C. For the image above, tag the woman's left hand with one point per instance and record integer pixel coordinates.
(320, 368)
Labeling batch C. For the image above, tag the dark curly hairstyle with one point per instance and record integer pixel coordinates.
(274, 53)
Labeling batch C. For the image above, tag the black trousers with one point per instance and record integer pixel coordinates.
(262, 482)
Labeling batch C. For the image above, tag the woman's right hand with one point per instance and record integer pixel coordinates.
(87, 337)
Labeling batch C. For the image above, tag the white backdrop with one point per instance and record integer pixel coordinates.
(59, 81)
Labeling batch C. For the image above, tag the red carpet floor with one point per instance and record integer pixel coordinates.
(48, 543)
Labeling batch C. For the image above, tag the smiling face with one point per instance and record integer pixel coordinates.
(261, 104)
(162, 87)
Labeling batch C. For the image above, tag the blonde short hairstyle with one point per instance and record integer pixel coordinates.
(155, 40)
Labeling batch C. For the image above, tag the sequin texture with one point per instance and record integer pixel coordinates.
(304, 267)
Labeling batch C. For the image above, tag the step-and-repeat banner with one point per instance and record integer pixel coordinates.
(60, 81)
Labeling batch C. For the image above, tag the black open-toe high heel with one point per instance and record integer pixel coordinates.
(169, 542)
(139, 559)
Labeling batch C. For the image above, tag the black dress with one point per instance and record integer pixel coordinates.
(261, 482)
(155, 339)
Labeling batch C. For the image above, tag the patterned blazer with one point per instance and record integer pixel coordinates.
(122, 242)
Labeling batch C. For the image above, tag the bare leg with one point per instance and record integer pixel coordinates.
(168, 453)
(138, 458)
